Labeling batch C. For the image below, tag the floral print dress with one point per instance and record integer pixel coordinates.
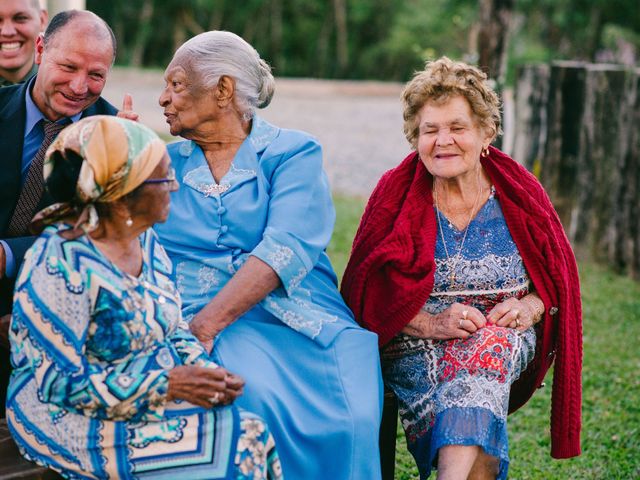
(91, 350)
(456, 392)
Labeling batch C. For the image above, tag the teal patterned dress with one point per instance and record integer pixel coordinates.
(91, 350)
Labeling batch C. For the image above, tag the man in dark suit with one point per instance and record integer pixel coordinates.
(74, 57)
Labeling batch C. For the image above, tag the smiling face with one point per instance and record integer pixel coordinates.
(21, 21)
(73, 68)
(450, 140)
(187, 107)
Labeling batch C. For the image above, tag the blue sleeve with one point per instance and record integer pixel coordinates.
(9, 262)
(186, 345)
(301, 214)
(49, 329)
(15, 249)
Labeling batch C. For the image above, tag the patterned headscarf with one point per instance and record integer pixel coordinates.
(117, 156)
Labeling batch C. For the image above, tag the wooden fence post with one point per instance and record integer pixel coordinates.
(530, 125)
(632, 178)
(578, 129)
(595, 218)
(565, 110)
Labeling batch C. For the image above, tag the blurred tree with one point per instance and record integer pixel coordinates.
(381, 39)
(493, 36)
(139, 41)
(342, 46)
(575, 29)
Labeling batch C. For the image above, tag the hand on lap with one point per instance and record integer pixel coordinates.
(205, 387)
(513, 313)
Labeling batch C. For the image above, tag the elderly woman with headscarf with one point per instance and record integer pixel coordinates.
(247, 234)
(462, 267)
(108, 381)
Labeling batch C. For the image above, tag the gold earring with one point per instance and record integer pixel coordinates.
(485, 152)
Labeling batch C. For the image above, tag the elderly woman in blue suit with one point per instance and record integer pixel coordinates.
(247, 234)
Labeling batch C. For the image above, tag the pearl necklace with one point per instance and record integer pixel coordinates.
(456, 259)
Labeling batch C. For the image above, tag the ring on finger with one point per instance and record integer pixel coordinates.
(464, 314)
(215, 399)
(518, 322)
(460, 322)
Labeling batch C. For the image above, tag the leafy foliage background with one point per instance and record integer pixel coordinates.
(373, 39)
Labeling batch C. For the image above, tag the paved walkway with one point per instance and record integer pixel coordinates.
(359, 124)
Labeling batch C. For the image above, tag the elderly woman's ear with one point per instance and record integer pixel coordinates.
(225, 91)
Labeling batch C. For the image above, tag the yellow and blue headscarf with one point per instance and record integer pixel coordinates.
(117, 156)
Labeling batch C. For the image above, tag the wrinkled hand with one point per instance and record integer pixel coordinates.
(127, 109)
(205, 330)
(205, 387)
(512, 313)
(457, 321)
(235, 387)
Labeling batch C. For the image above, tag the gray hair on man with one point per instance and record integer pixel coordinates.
(214, 54)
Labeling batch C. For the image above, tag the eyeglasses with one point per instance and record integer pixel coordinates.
(171, 177)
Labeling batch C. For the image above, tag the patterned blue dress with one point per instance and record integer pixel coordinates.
(311, 372)
(456, 392)
(91, 350)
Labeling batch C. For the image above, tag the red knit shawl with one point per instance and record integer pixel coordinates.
(390, 275)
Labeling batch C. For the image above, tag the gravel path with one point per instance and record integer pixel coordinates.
(359, 124)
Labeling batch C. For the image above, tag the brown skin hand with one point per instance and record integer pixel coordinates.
(198, 385)
(254, 281)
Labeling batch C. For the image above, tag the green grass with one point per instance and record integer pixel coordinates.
(611, 380)
(348, 213)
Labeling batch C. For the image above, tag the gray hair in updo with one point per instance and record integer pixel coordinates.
(211, 55)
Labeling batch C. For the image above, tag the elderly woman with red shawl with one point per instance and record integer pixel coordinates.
(462, 268)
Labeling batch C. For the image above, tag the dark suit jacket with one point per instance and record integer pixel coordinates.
(13, 114)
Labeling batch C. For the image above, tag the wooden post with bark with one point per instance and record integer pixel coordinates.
(598, 172)
(530, 135)
(581, 137)
(565, 109)
(632, 200)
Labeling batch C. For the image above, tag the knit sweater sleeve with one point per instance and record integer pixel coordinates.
(390, 272)
(547, 254)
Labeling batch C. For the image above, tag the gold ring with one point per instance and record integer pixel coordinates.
(460, 322)
(464, 314)
(517, 322)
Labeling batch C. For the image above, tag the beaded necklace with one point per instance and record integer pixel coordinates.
(456, 258)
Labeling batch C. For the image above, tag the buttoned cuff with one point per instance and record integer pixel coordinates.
(289, 266)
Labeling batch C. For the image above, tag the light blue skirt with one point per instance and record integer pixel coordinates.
(323, 404)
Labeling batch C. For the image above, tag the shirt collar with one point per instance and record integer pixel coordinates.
(34, 115)
(5, 83)
(262, 134)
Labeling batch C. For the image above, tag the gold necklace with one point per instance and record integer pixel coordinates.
(456, 259)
